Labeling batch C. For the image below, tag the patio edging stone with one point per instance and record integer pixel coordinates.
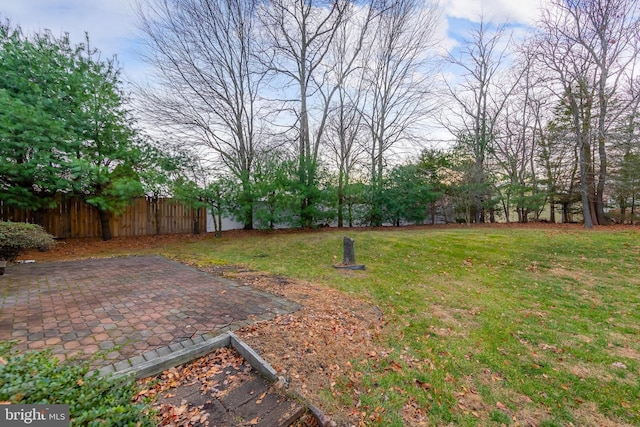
(156, 361)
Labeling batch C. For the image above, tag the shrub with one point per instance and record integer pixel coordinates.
(19, 236)
(39, 378)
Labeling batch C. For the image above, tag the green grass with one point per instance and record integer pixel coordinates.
(502, 325)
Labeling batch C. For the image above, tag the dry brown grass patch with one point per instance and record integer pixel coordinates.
(587, 415)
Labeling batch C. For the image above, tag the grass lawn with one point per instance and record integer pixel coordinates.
(484, 326)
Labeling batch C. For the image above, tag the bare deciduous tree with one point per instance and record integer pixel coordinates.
(344, 131)
(515, 145)
(626, 148)
(300, 35)
(480, 98)
(588, 45)
(207, 82)
(400, 81)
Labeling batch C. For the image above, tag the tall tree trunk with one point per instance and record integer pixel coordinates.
(602, 176)
(584, 188)
(581, 127)
(196, 221)
(341, 200)
(591, 192)
(156, 213)
(248, 220)
(623, 209)
(433, 213)
(104, 224)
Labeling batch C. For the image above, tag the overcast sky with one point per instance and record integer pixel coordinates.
(112, 24)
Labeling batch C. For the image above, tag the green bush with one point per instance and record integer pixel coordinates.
(19, 236)
(39, 378)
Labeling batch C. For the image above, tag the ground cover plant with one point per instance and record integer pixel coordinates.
(478, 326)
(37, 377)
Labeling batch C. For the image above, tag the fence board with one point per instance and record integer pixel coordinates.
(74, 218)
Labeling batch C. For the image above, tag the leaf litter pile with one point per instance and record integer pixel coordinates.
(313, 347)
(198, 394)
(202, 372)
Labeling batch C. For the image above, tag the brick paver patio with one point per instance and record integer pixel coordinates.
(122, 307)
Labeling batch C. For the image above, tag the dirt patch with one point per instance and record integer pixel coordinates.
(585, 371)
(518, 407)
(626, 352)
(452, 321)
(588, 415)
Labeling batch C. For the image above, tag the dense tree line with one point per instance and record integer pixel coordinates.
(333, 93)
(311, 112)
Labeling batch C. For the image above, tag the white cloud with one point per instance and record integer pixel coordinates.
(495, 11)
(463, 16)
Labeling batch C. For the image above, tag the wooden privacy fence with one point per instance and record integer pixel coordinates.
(74, 218)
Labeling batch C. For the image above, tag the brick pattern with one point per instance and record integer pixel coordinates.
(120, 308)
